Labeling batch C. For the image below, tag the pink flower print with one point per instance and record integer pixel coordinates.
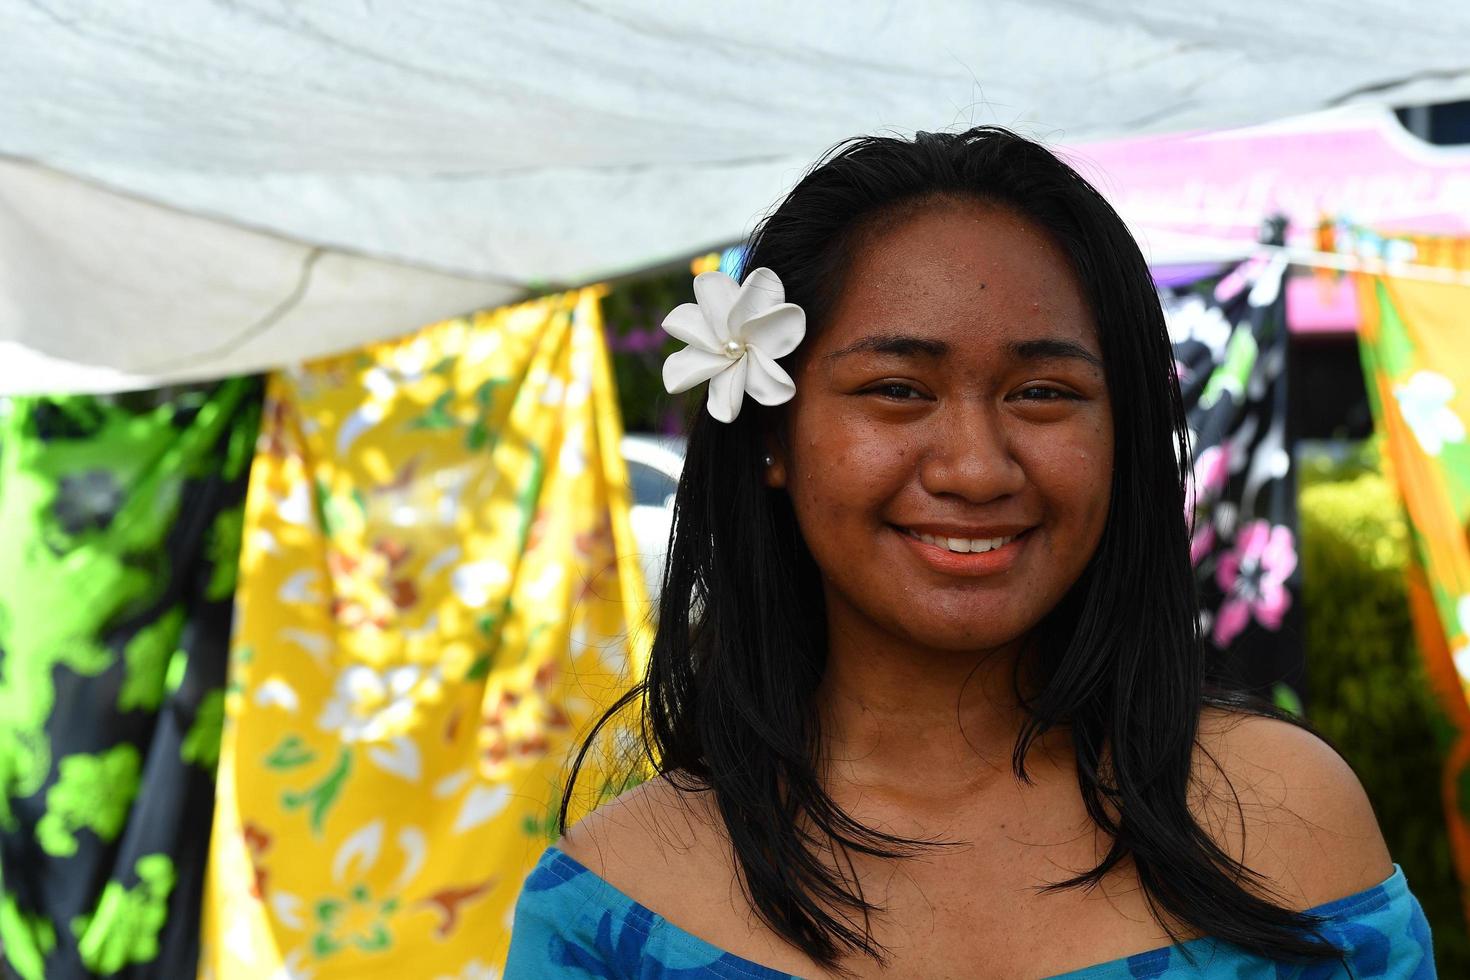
(1208, 476)
(1213, 467)
(1253, 575)
(1201, 544)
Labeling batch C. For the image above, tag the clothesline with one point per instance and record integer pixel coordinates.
(1374, 266)
(1337, 260)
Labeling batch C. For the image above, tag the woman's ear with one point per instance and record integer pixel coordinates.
(773, 464)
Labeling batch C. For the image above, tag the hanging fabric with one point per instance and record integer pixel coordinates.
(1230, 346)
(439, 592)
(120, 517)
(1414, 339)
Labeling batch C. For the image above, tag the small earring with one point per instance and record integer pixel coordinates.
(769, 460)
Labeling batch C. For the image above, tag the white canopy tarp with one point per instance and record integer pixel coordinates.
(195, 188)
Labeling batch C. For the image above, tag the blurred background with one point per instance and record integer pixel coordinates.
(336, 470)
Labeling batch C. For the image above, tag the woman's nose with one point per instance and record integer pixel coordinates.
(969, 455)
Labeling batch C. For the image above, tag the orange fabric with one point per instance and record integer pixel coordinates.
(1415, 343)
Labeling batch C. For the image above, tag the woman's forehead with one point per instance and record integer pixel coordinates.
(957, 270)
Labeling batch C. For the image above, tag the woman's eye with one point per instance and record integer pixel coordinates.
(895, 391)
(1044, 393)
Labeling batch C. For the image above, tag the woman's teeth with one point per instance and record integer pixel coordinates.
(964, 545)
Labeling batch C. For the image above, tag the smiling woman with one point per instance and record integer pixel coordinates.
(928, 696)
(956, 394)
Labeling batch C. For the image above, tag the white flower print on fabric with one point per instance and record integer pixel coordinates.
(1191, 318)
(735, 334)
(1462, 655)
(1424, 401)
(368, 706)
(1462, 663)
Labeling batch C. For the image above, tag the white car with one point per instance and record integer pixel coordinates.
(654, 464)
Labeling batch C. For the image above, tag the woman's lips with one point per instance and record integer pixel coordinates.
(961, 556)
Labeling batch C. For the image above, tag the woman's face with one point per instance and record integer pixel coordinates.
(949, 450)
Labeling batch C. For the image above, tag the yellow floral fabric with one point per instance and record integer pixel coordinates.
(439, 591)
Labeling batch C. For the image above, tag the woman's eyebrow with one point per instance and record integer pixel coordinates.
(1051, 349)
(896, 345)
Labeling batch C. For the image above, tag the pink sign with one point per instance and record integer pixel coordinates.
(1191, 197)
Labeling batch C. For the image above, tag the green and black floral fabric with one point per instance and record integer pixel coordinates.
(120, 521)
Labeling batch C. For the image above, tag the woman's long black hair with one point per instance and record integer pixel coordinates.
(728, 701)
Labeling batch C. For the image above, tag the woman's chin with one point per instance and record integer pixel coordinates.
(963, 635)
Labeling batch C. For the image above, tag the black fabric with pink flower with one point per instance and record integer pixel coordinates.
(1230, 347)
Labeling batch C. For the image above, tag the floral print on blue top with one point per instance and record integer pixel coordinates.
(572, 924)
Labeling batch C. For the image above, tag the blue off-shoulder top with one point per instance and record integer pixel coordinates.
(571, 923)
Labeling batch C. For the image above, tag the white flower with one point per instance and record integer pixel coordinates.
(1424, 402)
(735, 334)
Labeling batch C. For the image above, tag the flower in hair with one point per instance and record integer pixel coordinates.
(735, 333)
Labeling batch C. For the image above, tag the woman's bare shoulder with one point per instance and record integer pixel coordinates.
(1284, 803)
(651, 841)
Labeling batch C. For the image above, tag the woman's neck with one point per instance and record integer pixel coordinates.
(891, 712)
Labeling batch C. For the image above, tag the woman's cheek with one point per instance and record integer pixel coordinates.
(1084, 473)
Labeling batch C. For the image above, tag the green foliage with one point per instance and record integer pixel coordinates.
(1368, 693)
(632, 313)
